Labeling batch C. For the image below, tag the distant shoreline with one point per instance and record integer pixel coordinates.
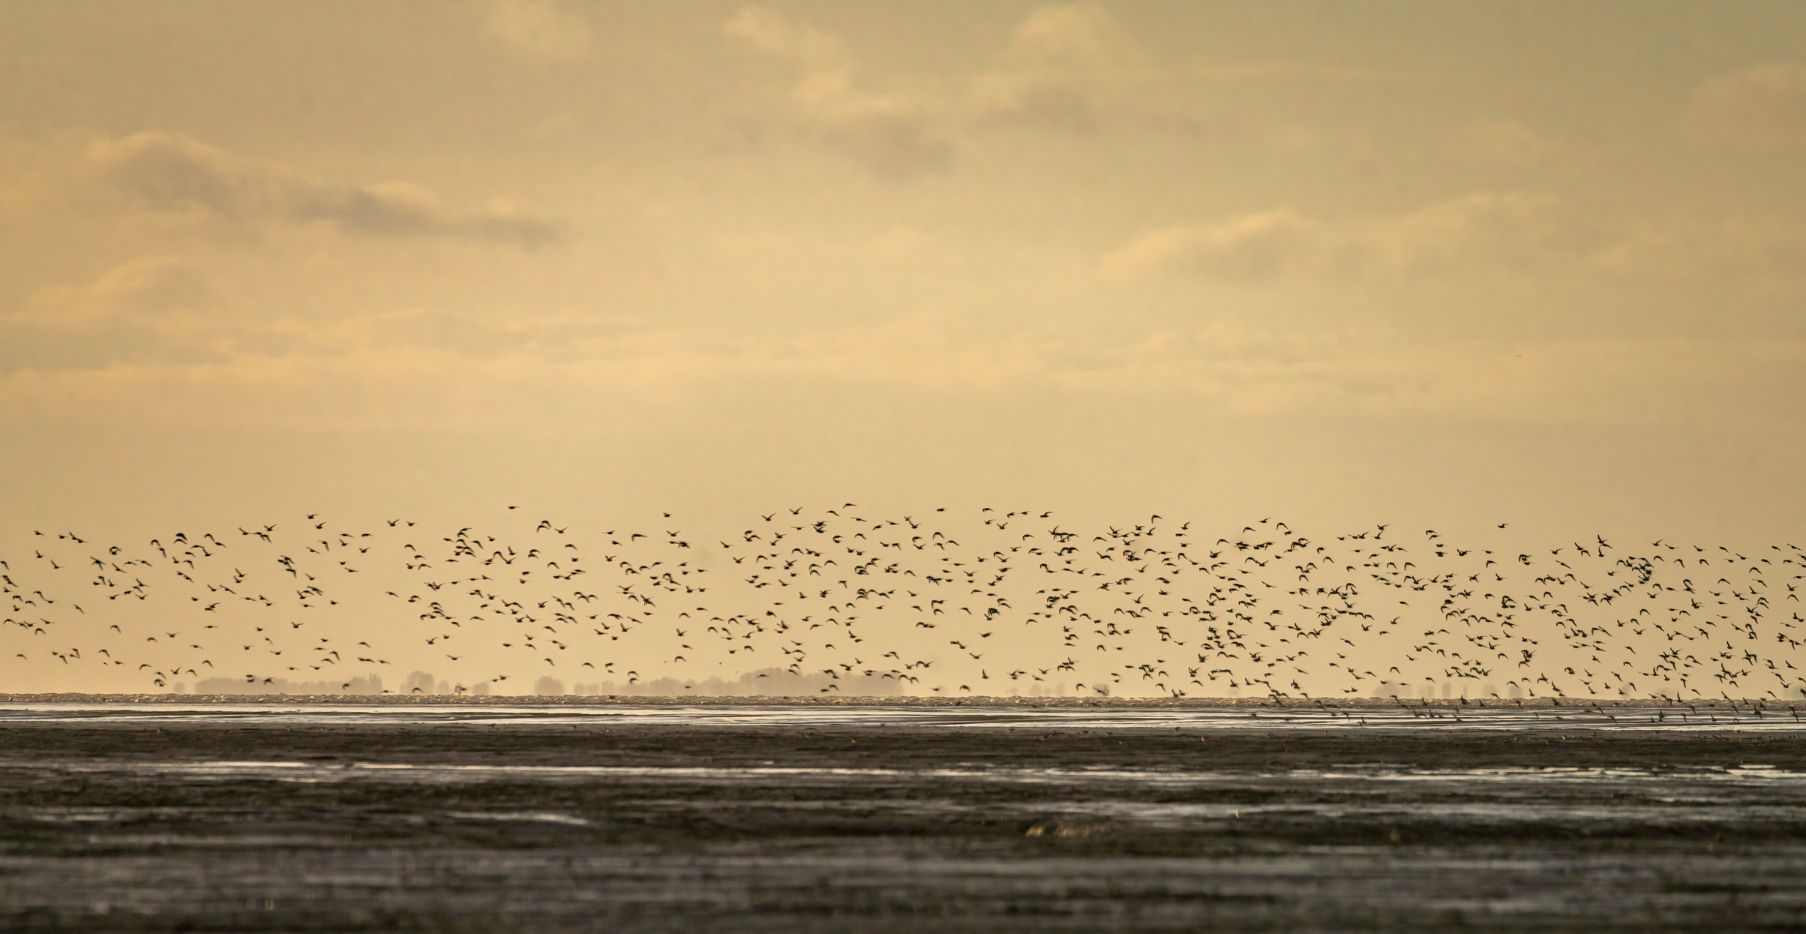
(632, 700)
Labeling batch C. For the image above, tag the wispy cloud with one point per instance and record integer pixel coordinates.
(1762, 107)
(170, 172)
(1058, 60)
(1286, 245)
(891, 135)
(538, 29)
(1730, 252)
(1501, 143)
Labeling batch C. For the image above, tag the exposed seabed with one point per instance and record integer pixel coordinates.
(501, 813)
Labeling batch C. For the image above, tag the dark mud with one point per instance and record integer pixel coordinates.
(212, 825)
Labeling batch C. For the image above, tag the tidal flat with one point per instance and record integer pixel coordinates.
(878, 817)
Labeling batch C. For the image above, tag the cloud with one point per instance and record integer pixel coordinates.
(1729, 252)
(1762, 107)
(1486, 227)
(164, 311)
(889, 138)
(151, 289)
(153, 286)
(1072, 69)
(1057, 61)
(1077, 33)
(155, 308)
(1298, 73)
(428, 367)
(157, 337)
(1246, 248)
(551, 338)
(892, 136)
(1284, 244)
(817, 52)
(1499, 143)
(538, 29)
(1077, 69)
(172, 173)
(400, 209)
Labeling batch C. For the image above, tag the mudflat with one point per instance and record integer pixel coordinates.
(294, 823)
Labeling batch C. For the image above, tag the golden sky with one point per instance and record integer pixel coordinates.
(1441, 264)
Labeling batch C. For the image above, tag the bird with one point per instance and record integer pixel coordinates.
(1257, 611)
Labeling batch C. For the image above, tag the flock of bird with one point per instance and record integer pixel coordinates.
(996, 603)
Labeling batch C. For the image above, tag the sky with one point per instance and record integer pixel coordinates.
(1443, 265)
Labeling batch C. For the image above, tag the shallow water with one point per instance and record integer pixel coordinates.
(778, 817)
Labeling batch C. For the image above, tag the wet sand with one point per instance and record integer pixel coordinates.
(285, 823)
